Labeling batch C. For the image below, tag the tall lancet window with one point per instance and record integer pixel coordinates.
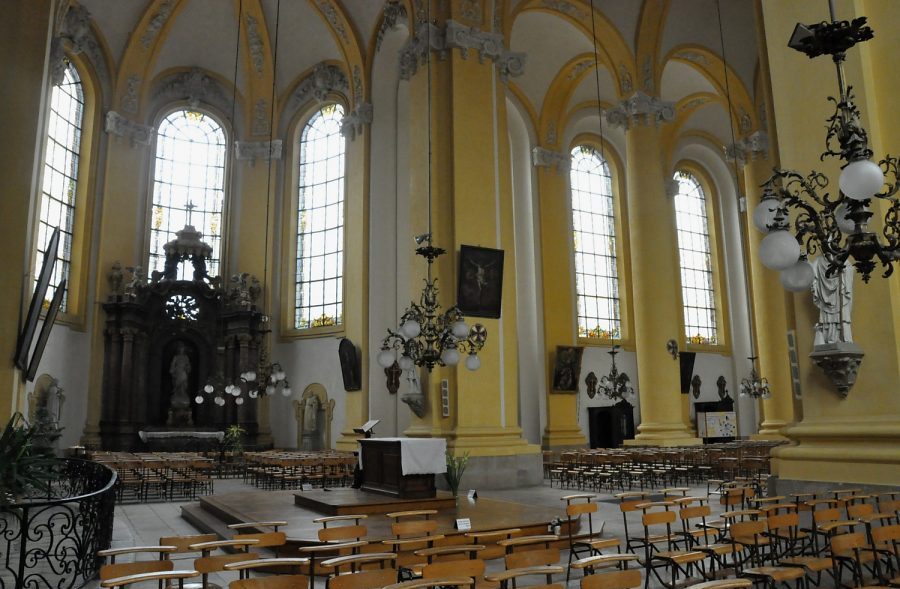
(319, 291)
(594, 226)
(695, 256)
(60, 177)
(188, 185)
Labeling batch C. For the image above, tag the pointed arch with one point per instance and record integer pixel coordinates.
(345, 35)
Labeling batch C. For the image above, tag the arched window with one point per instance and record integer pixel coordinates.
(188, 185)
(319, 293)
(594, 226)
(60, 176)
(695, 256)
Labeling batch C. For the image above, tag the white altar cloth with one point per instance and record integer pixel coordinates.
(180, 434)
(419, 455)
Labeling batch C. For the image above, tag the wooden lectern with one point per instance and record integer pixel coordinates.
(383, 472)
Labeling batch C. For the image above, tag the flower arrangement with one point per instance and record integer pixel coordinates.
(456, 466)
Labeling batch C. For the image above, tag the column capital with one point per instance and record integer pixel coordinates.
(254, 150)
(752, 147)
(394, 13)
(455, 35)
(546, 158)
(640, 109)
(353, 122)
(120, 126)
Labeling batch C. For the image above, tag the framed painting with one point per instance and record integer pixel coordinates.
(567, 369)
(23, 346)
(480, 288)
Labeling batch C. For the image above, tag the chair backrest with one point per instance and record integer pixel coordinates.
(627, 579)
(124, 569)
(694, 512)
(374, 579)
(531, 558)
(342, 533)
(454, 568)
(419, 527)
(822, 516)
(845, 544)
(182, 543)
(654, 518)
(886, 534)
(747, 529)
(785, 520)
(859, 509)
(272, 582)
(215, 564)
(265, 539)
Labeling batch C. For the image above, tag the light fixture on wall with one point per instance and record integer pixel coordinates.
(836, 225)
(615, 385)
(754, 386)
(428, 337)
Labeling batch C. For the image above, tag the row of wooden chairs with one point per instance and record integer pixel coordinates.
(293, 469)
(160, 476)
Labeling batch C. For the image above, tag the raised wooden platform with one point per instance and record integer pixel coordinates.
(346, 501)
(215, 512)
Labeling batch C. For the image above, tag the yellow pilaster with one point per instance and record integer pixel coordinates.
(654, 267)
(356, 279)
(471, 205)
(770, 316)
(854, 439)
(24, 38)
(562, 427)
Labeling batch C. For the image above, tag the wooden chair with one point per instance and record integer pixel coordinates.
(704, 538)
(590, 564)
(851, 551)
(752, 536)
(182, 546)
(412, 530)
(724, 584)
(586, 544)
(207, 564)
(356, 562)
(273, 540)
(115, 570)
(886, 547)
(357, 578)
(628, 504)
(676, 561)
(339, 540)
(160, 576)
(373, 579)
(490, 540)
(471, 567)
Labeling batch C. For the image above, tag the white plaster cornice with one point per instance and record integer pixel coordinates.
(257, 150)
(640, 109)
(136, 133)
(354, 121)
(546, 158)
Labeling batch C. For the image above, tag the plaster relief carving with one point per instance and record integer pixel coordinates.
(640, 109)
(498, 16)
(254, 150)
(415, 51)
(325, 78)
(119, 126)
(157, 21)
(353, 122)
(551, 133)
(194, 86)
(753, 147)
(693, 57)
(693, 103)
(471, 9)
(567, 8)
(545, 158)
(580, 68)
(254, 40)
(260, 117)
(130, 98)
(394, 13)
(626, 83)
(332, 16)
(647, 74)
(357, 85)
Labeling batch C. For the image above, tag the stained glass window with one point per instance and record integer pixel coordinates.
(188, 185)
(694, 253)
(60, 178)
(594, 225)
(319, 288)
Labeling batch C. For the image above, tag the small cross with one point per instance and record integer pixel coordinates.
(190, 206)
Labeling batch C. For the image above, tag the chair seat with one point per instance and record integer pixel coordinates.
(680, 556)
(599, 543)
(777, 574)
(812, 563)
(752, 541)
(726, 548)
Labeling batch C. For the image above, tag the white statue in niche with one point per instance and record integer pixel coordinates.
(833, 295)
(311, 414)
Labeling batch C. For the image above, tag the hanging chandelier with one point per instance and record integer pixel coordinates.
(615, 385)
(428, 337)
(754, 386)
(834, 224)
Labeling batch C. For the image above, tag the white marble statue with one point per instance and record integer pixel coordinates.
(310, 414)
(180, 369)
(833, 295)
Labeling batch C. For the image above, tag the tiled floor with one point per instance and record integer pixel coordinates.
(144, 524)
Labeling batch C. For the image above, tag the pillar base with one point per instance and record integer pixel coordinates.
(664, 434)
(765, 436)
(663, 442)
(771, 429)
(860, 451)
(348, 441)
(555, 439)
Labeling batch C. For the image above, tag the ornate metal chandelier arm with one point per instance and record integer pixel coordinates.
(891, 168)
(892, 226)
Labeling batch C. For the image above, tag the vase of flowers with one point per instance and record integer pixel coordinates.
(456, 466)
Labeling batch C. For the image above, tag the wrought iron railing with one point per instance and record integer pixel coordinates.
(52, 540)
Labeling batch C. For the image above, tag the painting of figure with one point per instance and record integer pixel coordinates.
(480, 281)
